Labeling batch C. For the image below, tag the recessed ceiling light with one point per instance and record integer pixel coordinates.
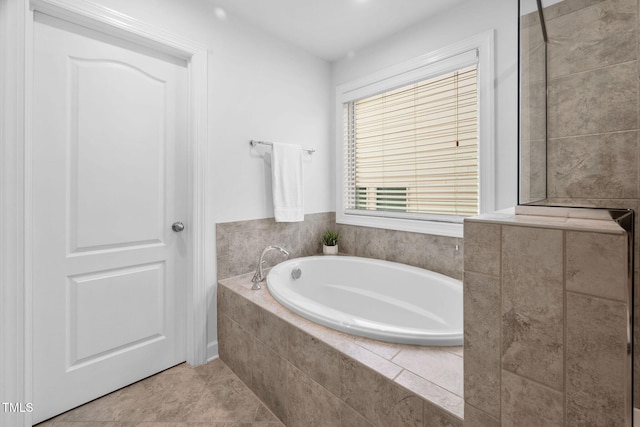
(220, 13)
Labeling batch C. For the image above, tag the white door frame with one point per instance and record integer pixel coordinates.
(16, 73)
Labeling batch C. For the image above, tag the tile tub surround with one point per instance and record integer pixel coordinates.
(308, 374)
(441, 254)
(239, 244)
(545, 304)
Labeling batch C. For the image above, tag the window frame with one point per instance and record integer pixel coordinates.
(411, 71)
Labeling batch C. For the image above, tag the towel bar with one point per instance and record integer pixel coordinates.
(253, 143)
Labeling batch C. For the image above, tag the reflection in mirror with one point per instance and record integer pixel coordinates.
(533, 103)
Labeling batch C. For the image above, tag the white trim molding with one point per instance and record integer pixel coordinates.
(212, 351)
(14, 346)
(103, 19)
(16, 49)
(203, 247)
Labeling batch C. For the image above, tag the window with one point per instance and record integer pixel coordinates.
(381, 198)
(412, 143)
(415, 149)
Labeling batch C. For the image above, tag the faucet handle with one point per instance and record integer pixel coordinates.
(259, 275)
(256, 282)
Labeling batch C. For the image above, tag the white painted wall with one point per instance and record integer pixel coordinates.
(460, 22)
(259, 88)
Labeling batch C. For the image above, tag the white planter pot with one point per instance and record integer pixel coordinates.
(330, 250)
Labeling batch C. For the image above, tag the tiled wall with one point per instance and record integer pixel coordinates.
(239, 244)
(593, 101)
(309, 375)
(436, 253)
(545, 326)
(593, 110)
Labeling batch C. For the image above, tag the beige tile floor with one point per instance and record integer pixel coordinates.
(210, 395)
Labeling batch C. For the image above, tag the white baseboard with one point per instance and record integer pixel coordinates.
(212, 351)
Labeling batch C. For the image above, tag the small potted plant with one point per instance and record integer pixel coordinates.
(330, 242)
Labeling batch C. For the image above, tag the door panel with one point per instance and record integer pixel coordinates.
(114, 145)
(102, 322)
(109, 179)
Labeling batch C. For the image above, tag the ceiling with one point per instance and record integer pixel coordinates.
(331, 29)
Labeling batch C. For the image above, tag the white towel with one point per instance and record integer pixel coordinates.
(286, 173)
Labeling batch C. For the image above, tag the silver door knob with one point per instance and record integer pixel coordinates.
(177, 226)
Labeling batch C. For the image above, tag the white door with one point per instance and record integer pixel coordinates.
(109, 180)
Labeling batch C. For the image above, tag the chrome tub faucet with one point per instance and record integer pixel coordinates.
(259, 276)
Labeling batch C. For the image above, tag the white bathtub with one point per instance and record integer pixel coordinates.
(372, 298)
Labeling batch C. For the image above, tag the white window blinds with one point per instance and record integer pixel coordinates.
(413, 151)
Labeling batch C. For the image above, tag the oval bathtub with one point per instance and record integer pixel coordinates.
(377, 299)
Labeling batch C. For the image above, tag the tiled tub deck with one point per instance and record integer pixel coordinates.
(308, 374)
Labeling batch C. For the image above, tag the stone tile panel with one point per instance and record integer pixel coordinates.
(597, 385)
(594, 166)
(482, 247)
(309, 404)
(269, 379)
(434, 416)
(568, 6)
(350, 418)
(473, 417)
(597, 264)
(532, 303)
(379, 400)
(528, 403)
(482, 326)
(315, 358)
(421, 361)
(593, 37)
(444, 399)
(596, 101)
(240, 243)
(236, 348)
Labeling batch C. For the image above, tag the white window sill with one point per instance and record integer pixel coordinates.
(437, 228)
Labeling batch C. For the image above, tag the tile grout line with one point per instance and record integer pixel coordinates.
(591, 70)
(500, 304)
(565, 327)
(533, 380)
